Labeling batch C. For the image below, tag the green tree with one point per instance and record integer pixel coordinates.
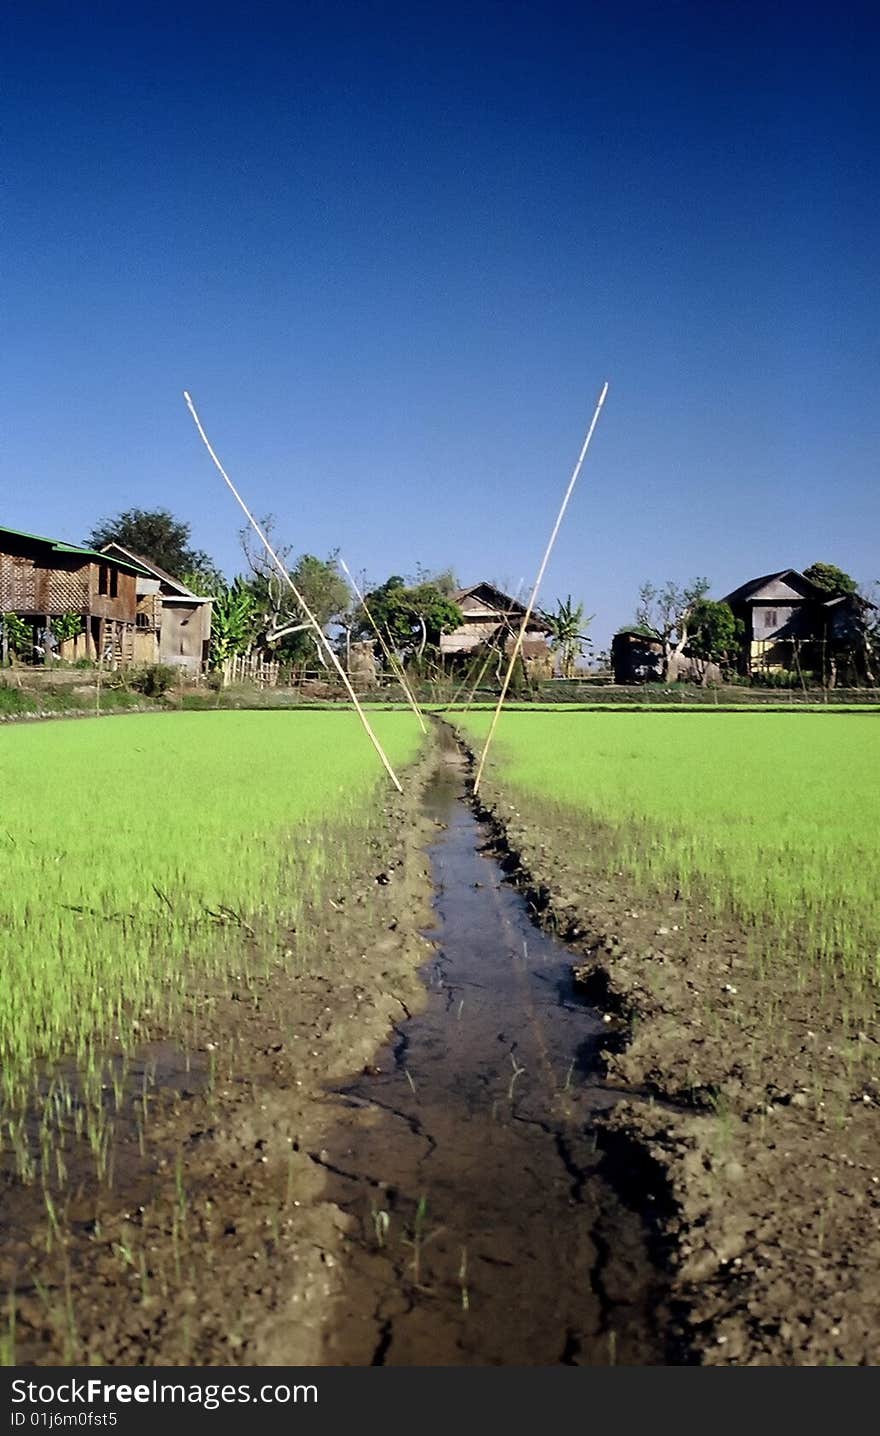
(16, 634)
(284, 630)
(203, 578)
(567, 624)
(154, 534)
(831, 579)
(849, 648)
(287, 633)
(411, 618)
(665, 612)
(872, 630)
(443, 579)
(66, 625)
(714, 635)
(207, 583)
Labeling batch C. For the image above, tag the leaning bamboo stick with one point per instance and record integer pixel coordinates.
(537, 584)
(396, 668)
(323, 641)
(464, 683)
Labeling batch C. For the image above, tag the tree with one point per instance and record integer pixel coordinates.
(65, 626)
(666, 612)
(207, 583)
(17, 635)
(410, 618)
(714, 635)
(848, 648)
(327, 594)
(831, 579)
(322, 586)
(872, 629)
(444, 580)
(204, 577)
(154, 534)
(568, 639)
(284, 630)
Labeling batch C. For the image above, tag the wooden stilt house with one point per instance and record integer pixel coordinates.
(49, 585)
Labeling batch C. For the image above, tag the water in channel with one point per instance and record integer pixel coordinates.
(484, 1231)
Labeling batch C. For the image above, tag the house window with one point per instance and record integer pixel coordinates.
(114, 583)
(770, 618)
(103, 579)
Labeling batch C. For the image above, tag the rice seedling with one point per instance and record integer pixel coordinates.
(139, 856)
(772, 818)
(381, 1223)
(7, 1336)
(463, 1281)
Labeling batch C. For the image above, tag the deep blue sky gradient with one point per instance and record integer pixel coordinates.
(393, 249)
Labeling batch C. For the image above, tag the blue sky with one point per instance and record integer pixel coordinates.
(393, 250)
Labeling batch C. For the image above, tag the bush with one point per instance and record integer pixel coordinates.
(785, 678)
(154, 680)
(14, 700)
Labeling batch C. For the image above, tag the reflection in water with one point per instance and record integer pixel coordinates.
(468, 1158)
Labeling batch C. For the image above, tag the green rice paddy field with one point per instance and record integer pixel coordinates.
(129, 848)
(135, 850)
(151, 865)
(771, 816)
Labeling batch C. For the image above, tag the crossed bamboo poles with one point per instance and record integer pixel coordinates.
(396, 667)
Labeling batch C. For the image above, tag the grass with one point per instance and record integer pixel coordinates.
(51, 700)
(773, 818)
(136, 853)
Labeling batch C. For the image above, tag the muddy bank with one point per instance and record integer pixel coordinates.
(488, 1230)
(761, 1149)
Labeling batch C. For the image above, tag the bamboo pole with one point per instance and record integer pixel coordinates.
(537, 584)
(396, 668)
(321, 636)
(480, 676)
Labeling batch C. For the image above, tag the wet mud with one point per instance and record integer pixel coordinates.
(484, 1229)
(749, 1102)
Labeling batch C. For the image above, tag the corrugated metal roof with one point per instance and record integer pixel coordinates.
(59, 546)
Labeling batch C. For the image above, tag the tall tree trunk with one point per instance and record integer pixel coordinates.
(674, 661)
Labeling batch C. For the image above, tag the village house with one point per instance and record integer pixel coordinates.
(44, 579)
(791, 624)
(492, 619)
(172, 624)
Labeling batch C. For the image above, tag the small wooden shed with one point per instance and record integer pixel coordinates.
(173, 624)
(636, 655)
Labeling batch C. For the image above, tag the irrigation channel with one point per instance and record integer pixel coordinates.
(489, 1234)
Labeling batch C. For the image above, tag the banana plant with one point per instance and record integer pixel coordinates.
(569, 627)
